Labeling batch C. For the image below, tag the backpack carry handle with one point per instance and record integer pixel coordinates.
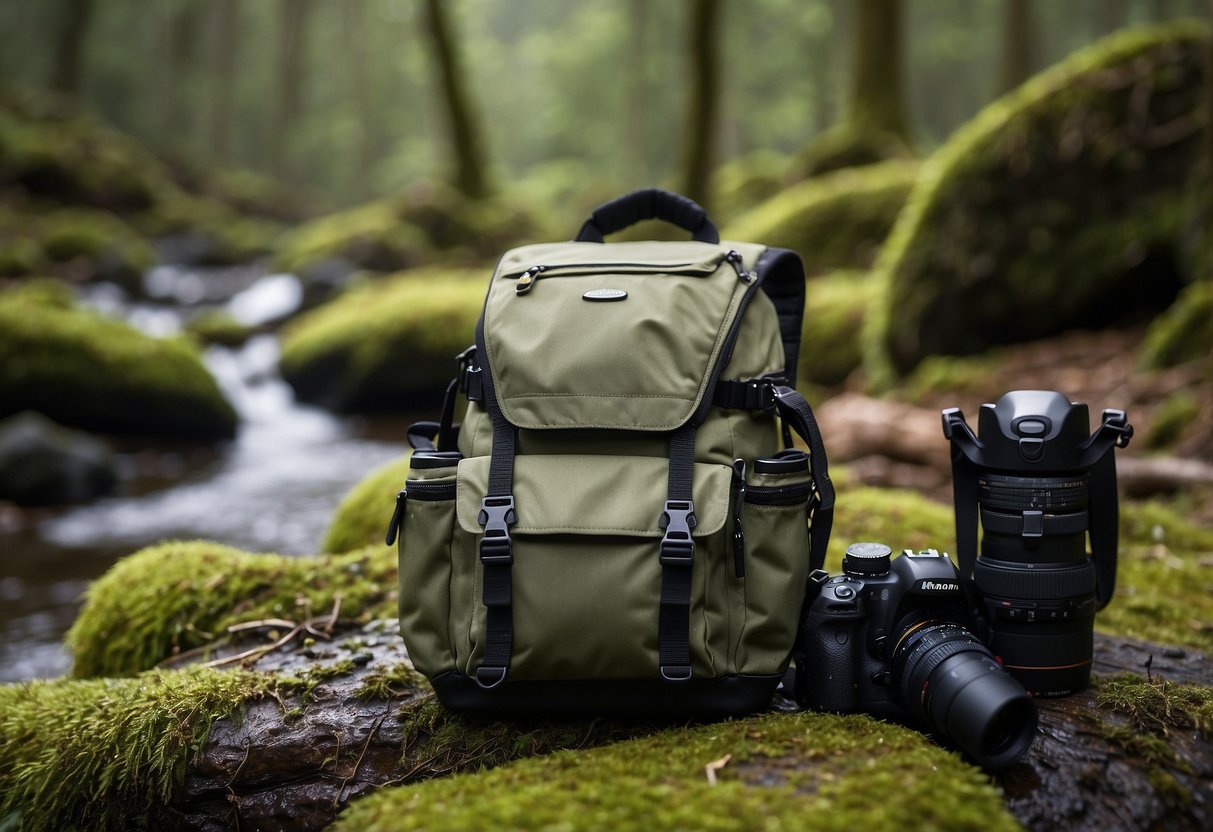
(648, 204)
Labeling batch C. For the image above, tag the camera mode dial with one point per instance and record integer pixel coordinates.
(866, 559)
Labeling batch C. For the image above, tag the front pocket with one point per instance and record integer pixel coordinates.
(426, 520)
(774, 566)
(586, 574)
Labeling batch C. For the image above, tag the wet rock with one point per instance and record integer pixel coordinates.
(325, 279)
(45, 464)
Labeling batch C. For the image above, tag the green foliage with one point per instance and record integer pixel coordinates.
(178, 596)
(88, 371)
(1184, 332)
(388, 344)
(835, 221)
(101, 754)
(1171, 419)
(361, 518)
(780, 771)
(1034, 216)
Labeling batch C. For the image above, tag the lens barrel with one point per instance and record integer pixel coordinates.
(1036, 580)
(946, 677)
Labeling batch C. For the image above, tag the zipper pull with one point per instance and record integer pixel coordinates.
(737, 262)
(738, 534)
(397, 517)
(526, 280)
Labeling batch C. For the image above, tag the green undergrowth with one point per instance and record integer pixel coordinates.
(848, 145)
(781, 772)
(89, 371)
(1061, 205)
(1184, 332)
(178, 596)
(361, 518)
(390, 343)
(1157, 706)
(835, 306)
(835, 221)
(1174, 415)
(101, 754)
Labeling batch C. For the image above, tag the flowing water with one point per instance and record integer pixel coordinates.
(273, 488)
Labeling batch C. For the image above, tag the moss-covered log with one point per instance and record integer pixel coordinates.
(1059, 206)
(835, 222)
(389, 345)
(85, 370)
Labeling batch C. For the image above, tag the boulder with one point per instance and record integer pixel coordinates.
(88, 371)
(361, 518)
(44, 464)
(388, 344)
(1059, 206)
(835, 306)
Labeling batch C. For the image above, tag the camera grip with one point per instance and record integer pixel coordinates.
(831, 655)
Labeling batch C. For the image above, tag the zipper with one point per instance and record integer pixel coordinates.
(738, 497)
(778, 495)
(423, 490)
(527, 279)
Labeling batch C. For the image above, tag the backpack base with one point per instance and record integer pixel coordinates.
(721, 696)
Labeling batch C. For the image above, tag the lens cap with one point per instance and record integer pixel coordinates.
(866, 559)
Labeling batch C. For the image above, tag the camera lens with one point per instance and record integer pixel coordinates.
(1035, 578)
(948, 679)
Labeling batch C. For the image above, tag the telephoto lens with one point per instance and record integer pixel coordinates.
(1040, 486)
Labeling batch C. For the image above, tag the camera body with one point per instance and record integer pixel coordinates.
(889, 636)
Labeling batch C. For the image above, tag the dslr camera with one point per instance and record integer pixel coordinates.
(891, 636)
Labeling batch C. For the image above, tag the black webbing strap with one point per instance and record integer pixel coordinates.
(794, 410)
(677, 558)
(747, 394)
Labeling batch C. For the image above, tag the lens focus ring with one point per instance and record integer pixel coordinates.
(1034, 584)
(1051, 494)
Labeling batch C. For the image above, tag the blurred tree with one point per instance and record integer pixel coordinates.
(471, 175)
(354, 37)
(181, 45)
(699, 136)
(1018, 44)
(70, 46)
(292, 44)
(224, 33)
(877, 91)
(636, 125)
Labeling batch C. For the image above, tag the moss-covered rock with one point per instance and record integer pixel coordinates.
(85, 370)
(178, 596)
(739, 184)
(1171, 419)
(835, 306)
(76, 243)
(1058, 206)
(835, 221)
(218, 326)
(426, 223)
(389, 344)
(848, 146)
(1184, 332)
(362, 511)
(770, 772)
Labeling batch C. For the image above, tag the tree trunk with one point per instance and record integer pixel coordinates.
(466, 139)
(70, 46)
(223, 76)
(878, 86)
(354, 34)
(1112, 15)
(636, 130)
(1018, 44)
(291, 49)
(181, 40)
(288, 769)
(699, 136)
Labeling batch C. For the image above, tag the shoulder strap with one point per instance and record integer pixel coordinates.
(782, 273)
(794, 410)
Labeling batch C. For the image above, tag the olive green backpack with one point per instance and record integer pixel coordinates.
(619, 522)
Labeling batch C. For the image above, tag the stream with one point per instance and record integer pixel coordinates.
(272, 489)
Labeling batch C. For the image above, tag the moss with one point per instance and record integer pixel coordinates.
(80, 243)
(782, 770)
(390, 344)
(1058, 206)
(846, 146)
(178, 596)
(1155, 707)
(103, 754)
(304, 683)
(835, 306)
(422, 225)
(1173, 416)
(389, 682)
(743, 182)
(85, 370)
(834, 221)
(1184, 332)
(217, 326)
(361, 517)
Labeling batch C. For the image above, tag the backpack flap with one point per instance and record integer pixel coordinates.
(616, 335)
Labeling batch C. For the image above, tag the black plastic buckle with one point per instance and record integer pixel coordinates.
(470, 383)
(677, 545)
(496, 516)
(760, 394)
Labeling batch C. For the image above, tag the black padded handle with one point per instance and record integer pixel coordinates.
(648, 204)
